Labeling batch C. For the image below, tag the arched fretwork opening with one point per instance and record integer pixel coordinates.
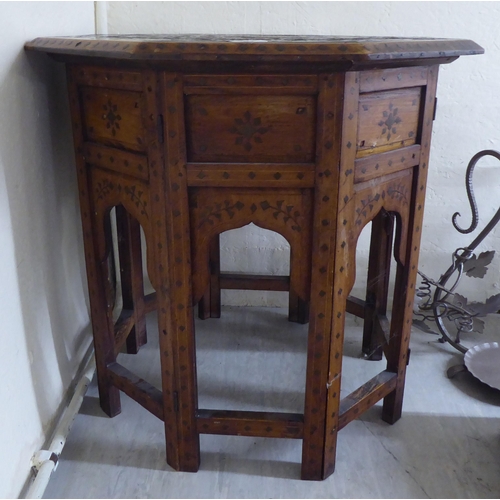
(251, 265)
(251, 250)
(124, 254)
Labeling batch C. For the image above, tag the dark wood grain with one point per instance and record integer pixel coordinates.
(251, 84)
(137, 388)
(123, 326)
(330, 103)
(233, 281)
(258, 175)
(366, 396)
(150, 303)
(130, 254)
(404, 291)
(250, 129)
(158, 271)
(103, 328)
(377, 287)
(265, 47)
(377, 165)
(180, 271)
(210, 304)
(355, 306)
(250, 423)
(344, 245)
(113, 117)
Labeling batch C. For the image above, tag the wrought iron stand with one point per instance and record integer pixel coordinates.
(443, 305)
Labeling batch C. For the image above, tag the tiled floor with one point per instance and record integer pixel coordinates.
(447, 445)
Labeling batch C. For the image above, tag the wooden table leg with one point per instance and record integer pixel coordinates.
(210, 304)
(101, 308)
(398, 349)
(298, 309)
(377, 286)
(321, 383)
(180, 317)
(129, 248)
(204, 305)
(103, 329)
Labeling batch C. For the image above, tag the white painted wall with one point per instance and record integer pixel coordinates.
(467, 120)
(43, 311)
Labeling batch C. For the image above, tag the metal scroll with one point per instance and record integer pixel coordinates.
(439, 302)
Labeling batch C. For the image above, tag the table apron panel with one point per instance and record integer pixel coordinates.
(113, 117)
(258, 175)
(388, 120)
(250, 128)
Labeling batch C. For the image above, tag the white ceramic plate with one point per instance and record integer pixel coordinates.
(483, 361)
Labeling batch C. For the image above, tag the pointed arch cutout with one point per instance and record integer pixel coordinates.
(289, 214)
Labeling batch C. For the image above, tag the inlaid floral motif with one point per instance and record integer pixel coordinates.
(397, 192)
(111, 116)
(367, 206)
(135, 196)
(105, 187)
(389, 120)
(286, 211)
(218, 209)
(248, 129)
(280, 210)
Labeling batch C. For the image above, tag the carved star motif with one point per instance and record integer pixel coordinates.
(111, 116)
(248, 130)
(391, 119)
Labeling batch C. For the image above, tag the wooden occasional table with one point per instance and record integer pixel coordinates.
(311, 137)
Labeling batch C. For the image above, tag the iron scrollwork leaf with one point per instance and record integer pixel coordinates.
(480, 309)
(459, 300)
(476, 267)
(443, 303)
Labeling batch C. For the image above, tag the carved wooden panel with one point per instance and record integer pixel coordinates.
(113, 117)
(260, 128)
(107, 190)
(388, 120)
(288, 212)
(392, 193)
